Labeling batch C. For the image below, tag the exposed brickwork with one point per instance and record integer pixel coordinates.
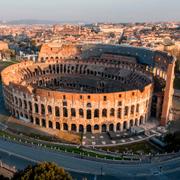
(98, 94)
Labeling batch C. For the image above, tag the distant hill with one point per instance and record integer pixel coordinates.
(33, 21)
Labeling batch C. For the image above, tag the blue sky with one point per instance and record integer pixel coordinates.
(91, 10)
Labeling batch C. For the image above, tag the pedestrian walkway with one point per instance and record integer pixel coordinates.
(104, 139)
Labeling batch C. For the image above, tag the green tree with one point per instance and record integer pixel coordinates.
(43, 171)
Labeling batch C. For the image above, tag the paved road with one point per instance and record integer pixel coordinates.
(20, 155)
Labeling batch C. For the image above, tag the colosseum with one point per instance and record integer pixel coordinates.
(91, 88)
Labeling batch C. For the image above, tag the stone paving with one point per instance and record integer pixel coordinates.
(104, 139)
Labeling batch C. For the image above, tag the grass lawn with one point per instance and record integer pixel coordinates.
(141, 147)
(4, 64)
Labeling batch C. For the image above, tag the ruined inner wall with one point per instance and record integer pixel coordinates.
(31, 90)
(29, 97)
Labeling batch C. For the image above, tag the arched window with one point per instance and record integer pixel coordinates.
(20, 102)
(73, 127)
(17, 114)
(36, 108)
(57, 125)
(16, 100)
(132, 109)
(136, 122)
(118, 127)
(37, 121)
(21, 114)
(65, 126)
(141, 121)
(119, 113)
(43, 123)
(57, 112)
(126, 111)
(137, 108)
(96, 127)
(88, 128)
(30, 106)
(112, 112)
(111, 127)
(104, 128)
(88, 114)
(124, 125)
(42, 109)
(73, 112)
(81, 128)
(104, 113)
(25, 104)
(89, 105)
(96, 113)
(49, 109)
(131, 123)
(65, 112)
(50, 124)
(81, 113)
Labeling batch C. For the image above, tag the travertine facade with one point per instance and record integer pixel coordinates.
(81, 91)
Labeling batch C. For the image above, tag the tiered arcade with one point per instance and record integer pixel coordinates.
(90, 88)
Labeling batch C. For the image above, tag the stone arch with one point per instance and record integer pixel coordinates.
(17, 114)
(21, 114)
(104, 128)
(36, 108)
(81, 128)
(132, 109)
(96, 113)
(31, 119)
(20, 102)
(73, 127)
(50, 124)
(49, 109)
(111, 127)
(25, 104)
(57, 111)
(118, 127)
(104, 113)
(57, 125)
(42, 109)
(126, 110)
(125, 125)
(43, 123)
(131, 123)
(88, 128)
(65, 112)
(88, 114)
(119, 113)
(16, 100)
(30, 106)
(137, 108)
(73, 112)
(96, 127)
(65, 126)
(141, 120)
(89, 105)
(37, 121)
(26, 116)
(112, 112)
(81, 113)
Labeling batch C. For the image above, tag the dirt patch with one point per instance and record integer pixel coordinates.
(29, 129)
